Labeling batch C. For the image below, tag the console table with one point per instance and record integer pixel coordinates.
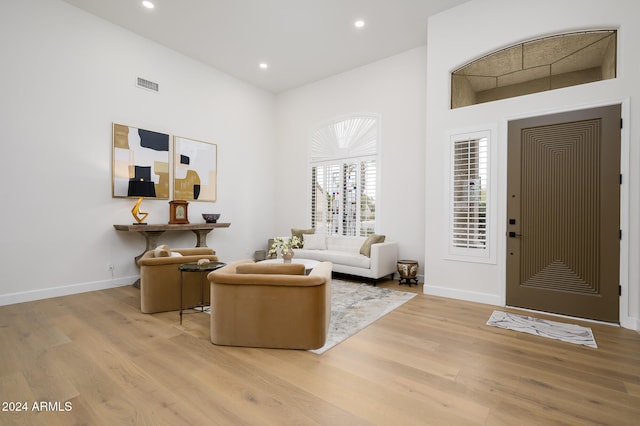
(151, 232)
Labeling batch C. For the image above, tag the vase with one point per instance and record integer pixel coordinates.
(287, 255)
(407, 270)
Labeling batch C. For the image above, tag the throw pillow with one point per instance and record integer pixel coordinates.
(271, 268)
(315, 242)
(162, 251)
(365, 249)
(300, 233)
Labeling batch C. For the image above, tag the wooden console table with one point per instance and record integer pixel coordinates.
(152, 232)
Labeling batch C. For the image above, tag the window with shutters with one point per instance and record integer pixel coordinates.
(469, 202)
(344, 172)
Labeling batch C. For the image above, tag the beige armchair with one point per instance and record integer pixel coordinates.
(270, 305)
(160, 279)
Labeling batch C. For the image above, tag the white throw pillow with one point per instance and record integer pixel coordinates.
(315, 242)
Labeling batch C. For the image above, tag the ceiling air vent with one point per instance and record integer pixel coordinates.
(146, 84)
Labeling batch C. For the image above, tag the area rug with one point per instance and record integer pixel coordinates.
(355, 306)
(570, 333)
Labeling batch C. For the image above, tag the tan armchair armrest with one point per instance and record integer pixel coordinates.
(194, 251)
(188, 255)
(228, 275)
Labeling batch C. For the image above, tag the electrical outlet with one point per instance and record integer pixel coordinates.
(110, 267)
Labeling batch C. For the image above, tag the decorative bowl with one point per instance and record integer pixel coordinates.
(211, 217)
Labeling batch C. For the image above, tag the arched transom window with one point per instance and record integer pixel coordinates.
(535, 66)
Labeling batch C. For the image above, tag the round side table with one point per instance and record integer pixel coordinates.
(203, 269)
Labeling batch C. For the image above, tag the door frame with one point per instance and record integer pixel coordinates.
(624, 103)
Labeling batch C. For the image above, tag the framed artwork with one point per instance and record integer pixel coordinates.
(195, 170)
(141, 155)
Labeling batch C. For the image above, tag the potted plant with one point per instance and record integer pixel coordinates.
(284, 246)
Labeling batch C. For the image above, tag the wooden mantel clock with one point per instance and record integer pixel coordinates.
(178, 212)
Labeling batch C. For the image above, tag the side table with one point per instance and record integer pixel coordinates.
(203, 269)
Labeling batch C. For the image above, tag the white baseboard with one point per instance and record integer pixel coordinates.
(471, 296)
(630, 323)
(46, 293)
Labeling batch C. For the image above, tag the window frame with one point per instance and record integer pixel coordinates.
(487, 254)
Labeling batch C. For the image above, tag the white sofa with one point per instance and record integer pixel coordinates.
(344, 253)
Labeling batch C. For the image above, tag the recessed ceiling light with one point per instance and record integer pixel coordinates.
(359, 23)
(263, 65)
(148, 4)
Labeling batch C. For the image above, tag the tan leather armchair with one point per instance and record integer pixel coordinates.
(270, 305)
(160, 279)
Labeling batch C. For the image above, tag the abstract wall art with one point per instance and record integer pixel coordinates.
(195, 175)
(139, 154)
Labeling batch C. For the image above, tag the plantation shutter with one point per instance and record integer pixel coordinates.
(469, 207)
(344, 177)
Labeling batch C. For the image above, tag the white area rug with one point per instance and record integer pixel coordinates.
(570, 333)
(355, 306)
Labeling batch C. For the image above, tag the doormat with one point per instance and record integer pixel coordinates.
(570, 333)
(355, 306)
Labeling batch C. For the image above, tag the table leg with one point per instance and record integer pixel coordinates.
(201, 235)
(151, 238)
(202, 274)
(181, 272)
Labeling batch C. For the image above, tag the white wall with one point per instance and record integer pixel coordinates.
(476, 28)
(393, 88)
(66, 76)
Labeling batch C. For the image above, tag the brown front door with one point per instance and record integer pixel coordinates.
(563, 213)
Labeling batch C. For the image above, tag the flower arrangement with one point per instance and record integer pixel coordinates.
(284, 244)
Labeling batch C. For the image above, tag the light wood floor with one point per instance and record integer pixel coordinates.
(431, 361)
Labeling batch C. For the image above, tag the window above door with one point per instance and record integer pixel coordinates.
(534, 66)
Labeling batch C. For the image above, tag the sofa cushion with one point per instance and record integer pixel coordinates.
(300, 233)
(345, 243)
(372, 239)
(162, 251)
(271, 268)
(315, 242)
(335, 256)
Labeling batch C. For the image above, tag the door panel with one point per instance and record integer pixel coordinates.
(563, 246)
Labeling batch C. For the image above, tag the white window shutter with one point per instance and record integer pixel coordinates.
(343, 169)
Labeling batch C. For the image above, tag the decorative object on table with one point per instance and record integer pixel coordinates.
(202, 262)
(284, 246)
(178, 211)
(195, 170)
(139, 154)
(408, 269)
(570, 333)
(211, 217)
(140, 188)
(300, 233)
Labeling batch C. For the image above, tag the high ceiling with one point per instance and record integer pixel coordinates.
(301, 40)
